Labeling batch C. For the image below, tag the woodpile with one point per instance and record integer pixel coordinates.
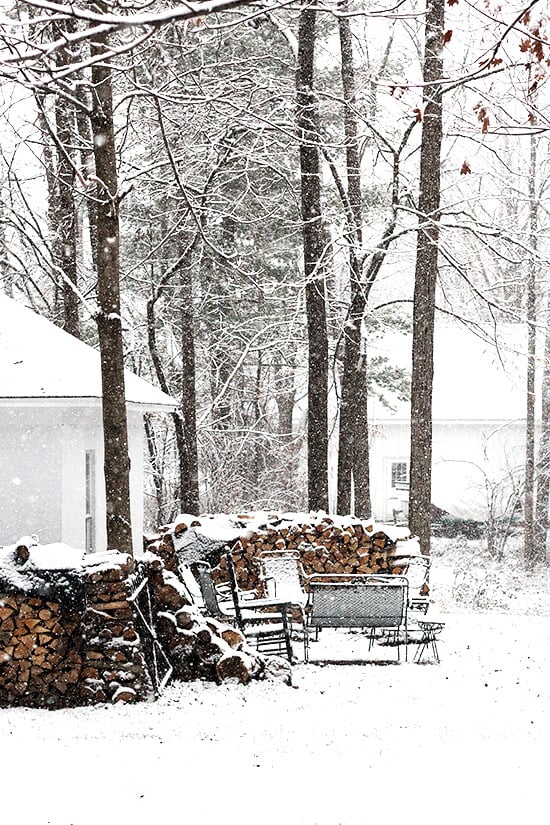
(40, 652)
(203, 648)
(53, 655)
(92, 646)
(198, 646)
(114, 661)
(323, 547)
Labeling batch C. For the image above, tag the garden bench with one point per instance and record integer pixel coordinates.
(358, 601)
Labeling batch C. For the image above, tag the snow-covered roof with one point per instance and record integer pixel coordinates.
(41, 361)
(475, 378)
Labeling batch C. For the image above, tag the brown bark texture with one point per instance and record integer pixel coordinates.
(109, 322)
(426, 279)
(313, 241)
(353, 439)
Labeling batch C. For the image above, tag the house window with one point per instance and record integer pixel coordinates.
(399, 474)
(89, 542)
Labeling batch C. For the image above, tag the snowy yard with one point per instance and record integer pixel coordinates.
(463, 741)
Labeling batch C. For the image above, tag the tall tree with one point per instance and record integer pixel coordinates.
(531, 304)
(109, 322)
(532, 550)
(426, 278)
(314, 268)
(540, 526)
(353, 438)
(66, 217)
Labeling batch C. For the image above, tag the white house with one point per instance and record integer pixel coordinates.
(479, 408)
(51, 442)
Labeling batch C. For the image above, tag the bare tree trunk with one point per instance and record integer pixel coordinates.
(256, 468)
(66, 217)
(50, 166)
(87, 160)
(540, 527)
(313, 238)
(529, 554)
(353, 438)
(426, 279)
(156, 470)
(6, 281)
(189, 468)
(109, 322)
(184, 429)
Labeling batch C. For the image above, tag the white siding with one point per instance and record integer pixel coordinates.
(31, 455)
(466, 455)
(43, 478)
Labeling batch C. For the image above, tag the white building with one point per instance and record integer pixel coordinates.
(479, 407)
(51, 441)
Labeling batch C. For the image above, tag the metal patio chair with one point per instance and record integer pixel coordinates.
(417, 570)
(263, 622)
(282, 574)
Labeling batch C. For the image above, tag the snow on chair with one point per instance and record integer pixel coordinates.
(282, 575)
(365, 601)
(263, 622)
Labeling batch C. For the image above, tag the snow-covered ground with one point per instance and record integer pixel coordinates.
(463, 741)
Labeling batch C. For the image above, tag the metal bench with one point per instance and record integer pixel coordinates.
(365, 601)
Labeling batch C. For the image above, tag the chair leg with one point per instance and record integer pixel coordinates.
(286, 629)
(371, 638)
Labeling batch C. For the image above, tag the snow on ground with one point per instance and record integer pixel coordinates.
(466, 740)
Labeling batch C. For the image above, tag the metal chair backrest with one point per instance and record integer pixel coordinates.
(281, 572)
(208, 590)
(416, 571)
(234, 589)
(191, 584)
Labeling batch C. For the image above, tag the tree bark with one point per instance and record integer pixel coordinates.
(353, 441)
(313, 241)
(542, 503)
(6, 282)
(184, 419)
(66, 217)
(189, 467)
(426, 279)
(109, 322)
(529, 553)
(88, 165)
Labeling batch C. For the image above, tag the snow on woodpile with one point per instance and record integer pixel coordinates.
(325, 544)
(81, 629)
(46, 571)
(67, 634)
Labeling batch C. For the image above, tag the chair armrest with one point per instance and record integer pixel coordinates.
(270, 583)
(258, 603)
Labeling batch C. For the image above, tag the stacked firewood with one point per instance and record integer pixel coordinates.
(40, 652)
(203, 648)
(198, 646)
(114, 664)
(323, 547)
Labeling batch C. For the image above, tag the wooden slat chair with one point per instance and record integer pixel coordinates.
(214, 605)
